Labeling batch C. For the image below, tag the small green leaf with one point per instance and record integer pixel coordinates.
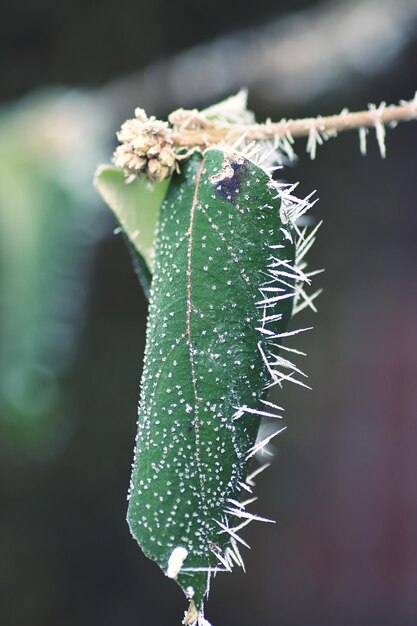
(136, 207)
(232, 110)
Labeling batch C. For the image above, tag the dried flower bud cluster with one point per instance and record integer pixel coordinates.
(146, 147)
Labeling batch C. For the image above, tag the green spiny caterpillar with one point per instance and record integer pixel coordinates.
(227, 276)
(205, 370)
(228, 273)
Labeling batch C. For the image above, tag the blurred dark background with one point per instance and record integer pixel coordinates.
(72, 317)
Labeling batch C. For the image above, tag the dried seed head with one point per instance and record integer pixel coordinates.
(146, 147)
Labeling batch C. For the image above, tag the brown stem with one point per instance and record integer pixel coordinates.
(213, 133)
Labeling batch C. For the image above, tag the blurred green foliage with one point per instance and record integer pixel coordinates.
(49, 145)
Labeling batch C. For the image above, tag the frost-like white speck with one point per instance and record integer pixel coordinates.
(175, 561)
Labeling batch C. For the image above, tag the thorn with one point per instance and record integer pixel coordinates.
(259, 446)
(307, 301)
(250, 516)
(255, 473)
(259, 412)
(363, 132)
(232, 533)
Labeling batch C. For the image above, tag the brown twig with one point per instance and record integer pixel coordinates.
(215, 133)
(154, 147)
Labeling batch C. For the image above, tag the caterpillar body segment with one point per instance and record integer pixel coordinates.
(222, 293)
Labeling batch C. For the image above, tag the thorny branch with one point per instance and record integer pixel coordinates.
(153, 147)
(206, 133)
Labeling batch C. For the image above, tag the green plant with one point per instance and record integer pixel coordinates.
(44, 189)
(227, 275)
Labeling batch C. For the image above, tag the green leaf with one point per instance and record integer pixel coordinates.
(136, 207)
(219, 241)
(232, 110)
